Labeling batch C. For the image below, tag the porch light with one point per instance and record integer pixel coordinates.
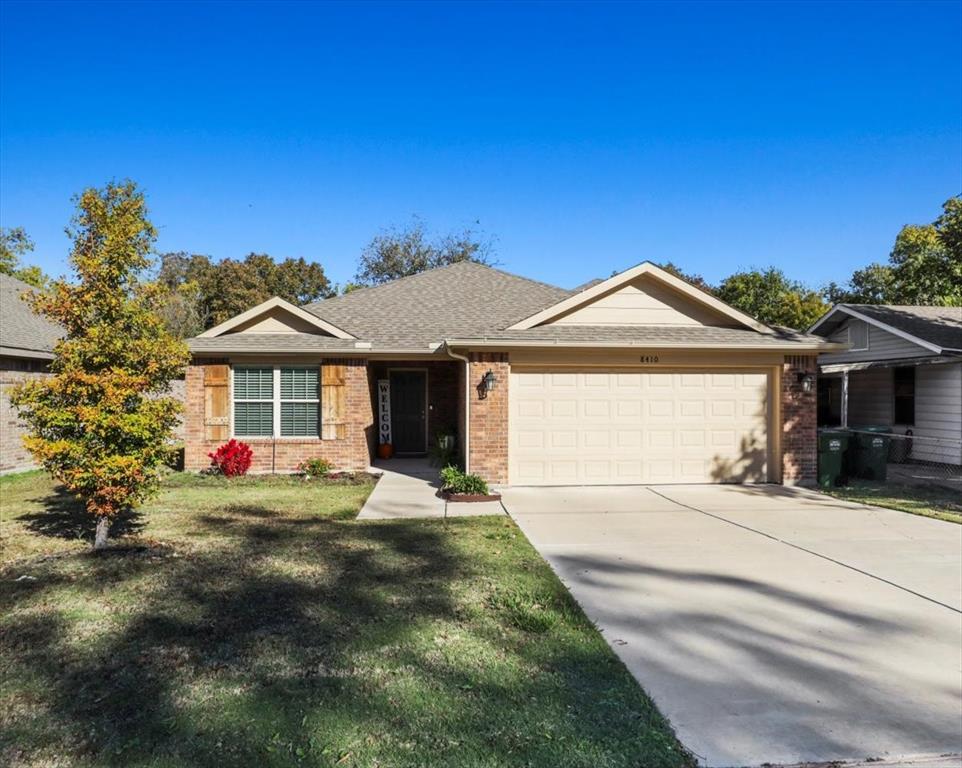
(489, 380)
(806, 381)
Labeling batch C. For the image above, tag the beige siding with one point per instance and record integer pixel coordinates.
(882, 345)
(277, 320)
(938, 412)
(870, 397)
(645, 301)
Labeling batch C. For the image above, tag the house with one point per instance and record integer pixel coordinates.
(26, 349)
(902, 368)
(640, 378)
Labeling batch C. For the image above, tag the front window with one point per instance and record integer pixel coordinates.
(276, 401)
(904, 389)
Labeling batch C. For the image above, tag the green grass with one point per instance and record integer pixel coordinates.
(253, 623)
(926, 500)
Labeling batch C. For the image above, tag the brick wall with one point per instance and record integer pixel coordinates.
(13, 456)
(284, 454)
(489, 418)
(799, 423)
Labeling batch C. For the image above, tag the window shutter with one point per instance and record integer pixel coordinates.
(216, 403)
(333, 401)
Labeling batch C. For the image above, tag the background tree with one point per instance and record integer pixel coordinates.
(101, 423)
(204, 293)
(925, 266)
(772, 298)
(697, 280)
(399, 253)
(15, 244)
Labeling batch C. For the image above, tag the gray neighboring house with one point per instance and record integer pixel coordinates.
(903, 369)
(26, 349)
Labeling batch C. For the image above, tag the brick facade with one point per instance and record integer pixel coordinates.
(489, 418)
(799, 422)
(13, 456)
(284, 454)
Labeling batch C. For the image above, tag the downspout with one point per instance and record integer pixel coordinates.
(467, 404)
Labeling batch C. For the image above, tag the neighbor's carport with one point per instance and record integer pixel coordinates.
(769, 624)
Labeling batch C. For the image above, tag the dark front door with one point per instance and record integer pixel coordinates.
(408, 403)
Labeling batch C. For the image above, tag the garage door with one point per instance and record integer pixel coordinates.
(611, 427)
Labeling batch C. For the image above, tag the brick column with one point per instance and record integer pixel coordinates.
(489, 418)
(799, 422)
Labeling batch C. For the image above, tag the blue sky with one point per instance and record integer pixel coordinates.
(583, 138)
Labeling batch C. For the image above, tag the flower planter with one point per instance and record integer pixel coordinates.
(385, 451)
(470, 497)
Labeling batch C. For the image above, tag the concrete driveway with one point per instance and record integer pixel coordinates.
(770, 625)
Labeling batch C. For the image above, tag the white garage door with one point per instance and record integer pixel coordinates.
(611, 427)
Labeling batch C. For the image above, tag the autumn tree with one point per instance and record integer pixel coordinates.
(15, 244)
(101, 423)
(772, 297)
(204, 292)
(403, 252)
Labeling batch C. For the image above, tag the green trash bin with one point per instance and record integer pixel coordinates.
(871, 451)
(831, 449)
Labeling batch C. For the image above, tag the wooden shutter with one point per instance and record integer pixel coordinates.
(333, 401)
(216, 402)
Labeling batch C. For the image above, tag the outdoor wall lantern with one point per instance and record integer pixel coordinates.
(806, 381)
(487, 384)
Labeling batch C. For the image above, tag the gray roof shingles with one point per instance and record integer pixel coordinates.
(20, 327)
(471, 302)
(463, 299)
(941, 326)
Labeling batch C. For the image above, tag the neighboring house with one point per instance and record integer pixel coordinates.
(26, 349)
(641, 378)
(903, 369)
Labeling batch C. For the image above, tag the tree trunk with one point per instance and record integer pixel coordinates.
(103, 528)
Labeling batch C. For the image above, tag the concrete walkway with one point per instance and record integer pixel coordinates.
(770, 625)
(408, 489)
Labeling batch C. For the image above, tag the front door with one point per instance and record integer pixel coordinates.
(408, 403)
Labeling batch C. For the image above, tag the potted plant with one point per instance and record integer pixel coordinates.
(457, 485)
(443, 452)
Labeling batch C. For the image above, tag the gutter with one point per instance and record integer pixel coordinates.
(467, 405)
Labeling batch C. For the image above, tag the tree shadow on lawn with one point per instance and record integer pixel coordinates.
(65, 517)
(304, 641)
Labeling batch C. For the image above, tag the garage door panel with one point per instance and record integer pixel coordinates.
(600, 427)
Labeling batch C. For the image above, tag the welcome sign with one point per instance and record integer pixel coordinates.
(384, 410)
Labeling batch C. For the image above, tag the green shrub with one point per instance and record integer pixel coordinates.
(454, 480)
(315, 467)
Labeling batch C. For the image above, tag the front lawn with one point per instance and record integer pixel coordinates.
(926, 500)
(255, 623)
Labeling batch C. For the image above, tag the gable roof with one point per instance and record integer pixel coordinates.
(936, 328)
(24, 333)
(461, 299)
(603, 287)
(468, 303)
(276, 303)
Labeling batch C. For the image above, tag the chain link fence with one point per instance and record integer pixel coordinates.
(909, 459)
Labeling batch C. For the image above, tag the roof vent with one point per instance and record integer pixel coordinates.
(362, 345)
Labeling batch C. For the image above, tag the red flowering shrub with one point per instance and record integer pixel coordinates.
(232, 458)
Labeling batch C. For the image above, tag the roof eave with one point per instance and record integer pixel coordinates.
(561, 344)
